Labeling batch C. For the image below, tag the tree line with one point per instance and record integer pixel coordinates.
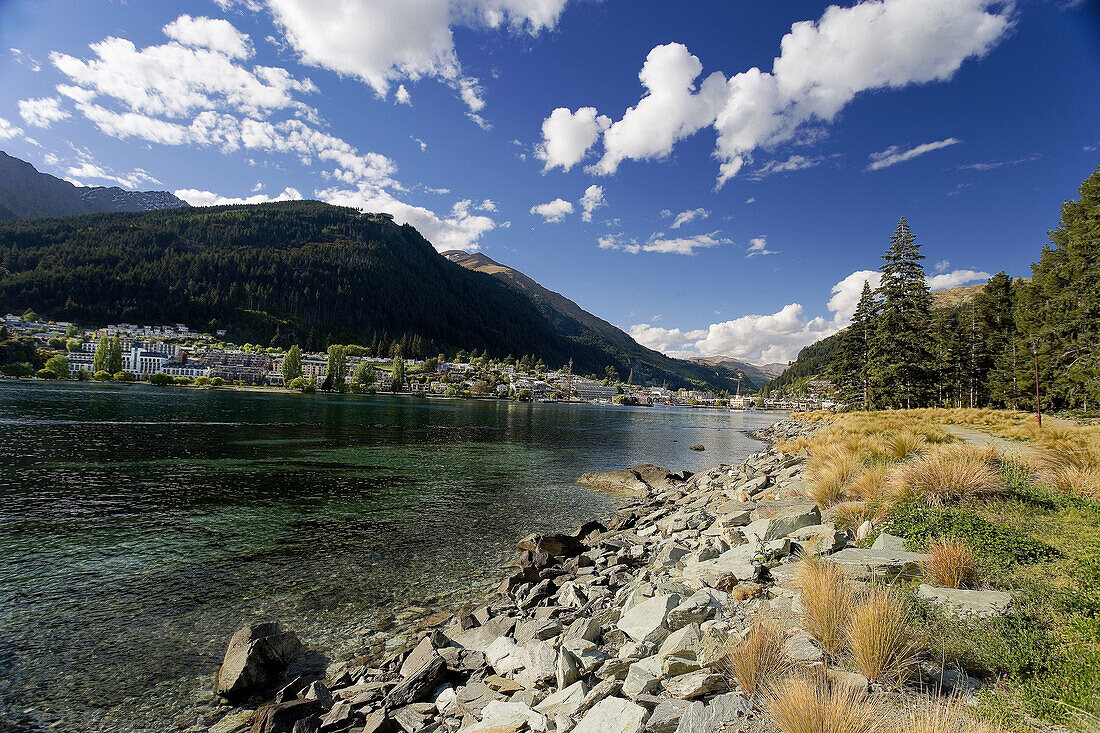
(899, 352)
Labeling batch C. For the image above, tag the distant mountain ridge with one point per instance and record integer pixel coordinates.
(27, 193)
(764, 373)
(578, 324)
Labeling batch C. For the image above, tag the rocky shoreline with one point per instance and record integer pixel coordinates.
(616, 628)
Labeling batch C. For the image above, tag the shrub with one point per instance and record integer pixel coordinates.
(947, 473)
(951, 565)
(103, 376)
(124, 377)
(182, 381)
(83, 375)
(827, 599)
(45, 374)
(881, 638)
(759, 659)
(1000, 546)
(160, 379)
(804, 706)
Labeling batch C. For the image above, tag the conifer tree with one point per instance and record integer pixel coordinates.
(901, 354)
(994, 306)
(292, 364)
(398, 372)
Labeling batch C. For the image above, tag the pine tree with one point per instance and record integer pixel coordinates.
(994, 306)
(398, 372)
(850, 367)
(292, 364)
(99, 359)
(114, 356)
(902, 365)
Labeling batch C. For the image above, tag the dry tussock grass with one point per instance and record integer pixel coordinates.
(951, 565)
(799, 705)
(947, 473)
(880, 637)
(758, 660)
(827, 600)
(948, 717)
(904, 444)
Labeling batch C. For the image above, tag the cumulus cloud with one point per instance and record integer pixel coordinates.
(592, 200)
(683, 245)
(553, 212)
(195, 90)
(686, 217)
(215, 34)
(895, 154)
(196, 197)
(42, 112)
(758, 246)
(568, 136)
(956, 278)
(822, 66)
(619, 241)
(381, 42)
(78, 174)
(779, 336)
(402, 96)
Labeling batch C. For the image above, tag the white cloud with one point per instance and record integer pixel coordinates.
(619, 241)
(683, 245)
(791, 164)
(777, 337)
(90, 170)
(479, 121)
(671, 110)
(209, 198)
(943, 265)
(8, 130)
(568, 136)
(846, 294)
(750, 200)
(822, 66)
(42, 112)
(487, 205)
(758, 246)
(215, 34)
(381, 42)
(894, 154)
(174, 94)
(686, 217)
(956, 278)
(402, 96)
(554, 211)
(592, 200)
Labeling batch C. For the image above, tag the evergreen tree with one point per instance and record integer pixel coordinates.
(994, 305)
(902, 365)
(114, 356)
(1059, 310)
(364, 374)
(850, 369)
(337, 369)
(292, 364)
(99, 359)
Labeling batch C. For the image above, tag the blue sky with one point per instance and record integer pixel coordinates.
(714, 177)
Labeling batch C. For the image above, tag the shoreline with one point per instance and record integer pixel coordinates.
(530, 649)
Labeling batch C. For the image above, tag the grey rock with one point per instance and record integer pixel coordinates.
(613, 715)
(255, 660)
(643, 677)
(566, 701)
(474, 696)
(785, 520)
(666, 716)
(421, 655)
(568, 668)
(646, 621)
(980, 603)
(709, 718)
(418, 685)
(879, 564)
(819, 539)
(294, 716)
(695, 684)
(888, 542)
(801, 648)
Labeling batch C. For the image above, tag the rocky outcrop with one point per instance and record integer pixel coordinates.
(641, 479)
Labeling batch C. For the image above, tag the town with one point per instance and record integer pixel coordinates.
(174, 354)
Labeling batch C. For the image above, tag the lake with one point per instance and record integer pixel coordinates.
(141, 526)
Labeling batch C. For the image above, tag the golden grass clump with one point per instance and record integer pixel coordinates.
(949, 717)
(870, 486)
(1081, 482)
(951, 565)
(903, 444)
(804, 706)
(880, 637)
(829, 479)
(759, 659)
(947, 473)
(827, 600)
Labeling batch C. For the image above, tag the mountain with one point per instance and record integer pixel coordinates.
(301, 272)
(25, 193)
(648, 366)
(757, 374)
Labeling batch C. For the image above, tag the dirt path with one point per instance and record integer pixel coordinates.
(1021, 451)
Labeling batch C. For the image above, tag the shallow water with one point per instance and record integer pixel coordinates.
(141, 526)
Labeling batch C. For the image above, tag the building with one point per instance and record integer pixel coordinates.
(238, 366)
(586, 389)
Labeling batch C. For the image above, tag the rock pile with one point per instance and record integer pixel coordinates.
(616, 628)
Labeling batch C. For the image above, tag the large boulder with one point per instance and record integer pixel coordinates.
(881, 565)
(967, 602)
(782, 520)
(638, 480)
(256, 660)
(296, 716)
(645, 622)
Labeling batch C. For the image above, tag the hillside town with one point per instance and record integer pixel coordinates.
(176, 354)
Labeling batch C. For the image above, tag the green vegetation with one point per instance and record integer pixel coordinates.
(292, 364)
